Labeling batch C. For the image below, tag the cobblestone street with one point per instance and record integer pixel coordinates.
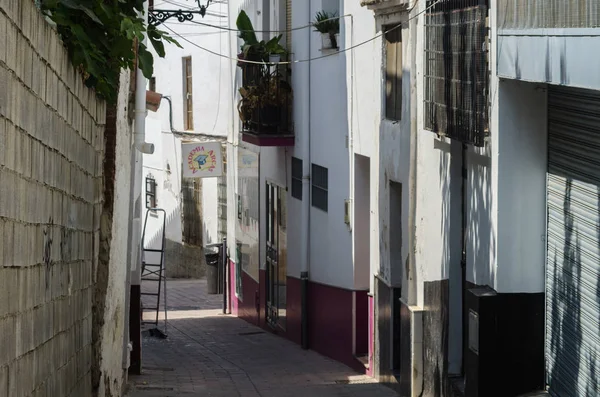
(211, 354)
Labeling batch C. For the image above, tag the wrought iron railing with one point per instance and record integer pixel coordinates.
(456, 70)
(265, 106)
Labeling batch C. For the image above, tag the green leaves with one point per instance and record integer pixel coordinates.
(146, 61)
(244, 25)
(157, 39)
(327, 22)
(101, 37)
(252, 49)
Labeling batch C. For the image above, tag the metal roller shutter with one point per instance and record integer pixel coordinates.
(573, 253)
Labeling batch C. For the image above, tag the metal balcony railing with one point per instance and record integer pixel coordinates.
(265, 106)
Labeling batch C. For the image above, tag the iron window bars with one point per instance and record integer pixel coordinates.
(456, 70)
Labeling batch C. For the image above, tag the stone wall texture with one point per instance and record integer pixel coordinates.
(51, 154)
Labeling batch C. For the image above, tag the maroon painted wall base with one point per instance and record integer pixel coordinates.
(135, 330)
(330, 317)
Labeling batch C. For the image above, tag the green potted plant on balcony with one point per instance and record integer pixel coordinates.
(263, 104)
(328, 24)
(257, 51)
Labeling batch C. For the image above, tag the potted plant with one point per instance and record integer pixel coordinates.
(328, 24)
(264, 102)
(258, 51)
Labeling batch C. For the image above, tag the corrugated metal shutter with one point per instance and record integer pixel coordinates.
(288, 24)
(573, 258)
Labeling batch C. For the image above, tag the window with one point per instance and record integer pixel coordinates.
(153, 84)
(393, 72)
(150, 192)
(456, 70)
(188, 105)
(319, 187)
(297, 178)
(191, 203)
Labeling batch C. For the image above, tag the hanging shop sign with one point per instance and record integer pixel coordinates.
(202, 159)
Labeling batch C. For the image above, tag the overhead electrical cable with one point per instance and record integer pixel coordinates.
(399, 25)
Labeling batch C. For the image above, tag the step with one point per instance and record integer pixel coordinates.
(364, 360)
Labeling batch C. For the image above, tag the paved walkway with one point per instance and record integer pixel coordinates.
(211, 354)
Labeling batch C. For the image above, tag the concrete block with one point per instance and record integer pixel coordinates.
(2, 141)
(8, 238)
(7, 340)
(27, 64)
(26, 156)
(14, 109)
(24, 16)
(4, 381)
(10, 150)
(15, 146)
(3, 26)
(17, 240)
(5, 84)
(4, 304)
(11, 45)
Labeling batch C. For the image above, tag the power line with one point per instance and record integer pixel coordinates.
(319, 57)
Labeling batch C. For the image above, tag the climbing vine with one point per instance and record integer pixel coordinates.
(103, 36)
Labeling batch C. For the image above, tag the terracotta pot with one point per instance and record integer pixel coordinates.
(153, 100)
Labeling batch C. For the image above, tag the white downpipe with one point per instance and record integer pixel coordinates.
(140, 115)
(140, 110)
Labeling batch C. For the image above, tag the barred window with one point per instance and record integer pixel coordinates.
(320, 184)
(297, 178)
(191, 202)
(150, 192)
(393, 72)
(456, 70)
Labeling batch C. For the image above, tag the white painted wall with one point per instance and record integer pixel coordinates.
(115, 313)
(212, 104)
(554, 56)
(522, 166)
(505, 192)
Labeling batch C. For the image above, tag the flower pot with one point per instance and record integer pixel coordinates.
(326, 41)
(274, 58)
(337, 40)
(153, 100)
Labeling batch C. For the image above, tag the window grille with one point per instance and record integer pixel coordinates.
(297, 178)
(191, 197)
(320, 184)
(456, 70)
(150, 192)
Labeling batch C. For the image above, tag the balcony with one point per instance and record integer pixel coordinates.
(265, 107)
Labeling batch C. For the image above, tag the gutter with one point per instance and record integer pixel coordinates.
(140, 105)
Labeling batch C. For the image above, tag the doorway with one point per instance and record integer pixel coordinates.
(276, 253)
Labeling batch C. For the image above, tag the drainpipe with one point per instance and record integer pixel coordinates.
(412, 181)
(140, 115)
(304, 274)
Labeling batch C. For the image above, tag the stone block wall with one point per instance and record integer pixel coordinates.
(51, 154)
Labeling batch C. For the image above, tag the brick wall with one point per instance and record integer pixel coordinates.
(51, 150)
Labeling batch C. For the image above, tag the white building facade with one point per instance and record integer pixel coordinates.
(427, 210)
(195, 107)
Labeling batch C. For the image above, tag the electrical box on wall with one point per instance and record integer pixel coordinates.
(347, 212)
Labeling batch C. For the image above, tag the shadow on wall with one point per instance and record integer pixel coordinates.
(465, 217)
(181, 260)
(566, 349)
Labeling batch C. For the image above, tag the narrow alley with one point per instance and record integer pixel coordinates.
(207, 353)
